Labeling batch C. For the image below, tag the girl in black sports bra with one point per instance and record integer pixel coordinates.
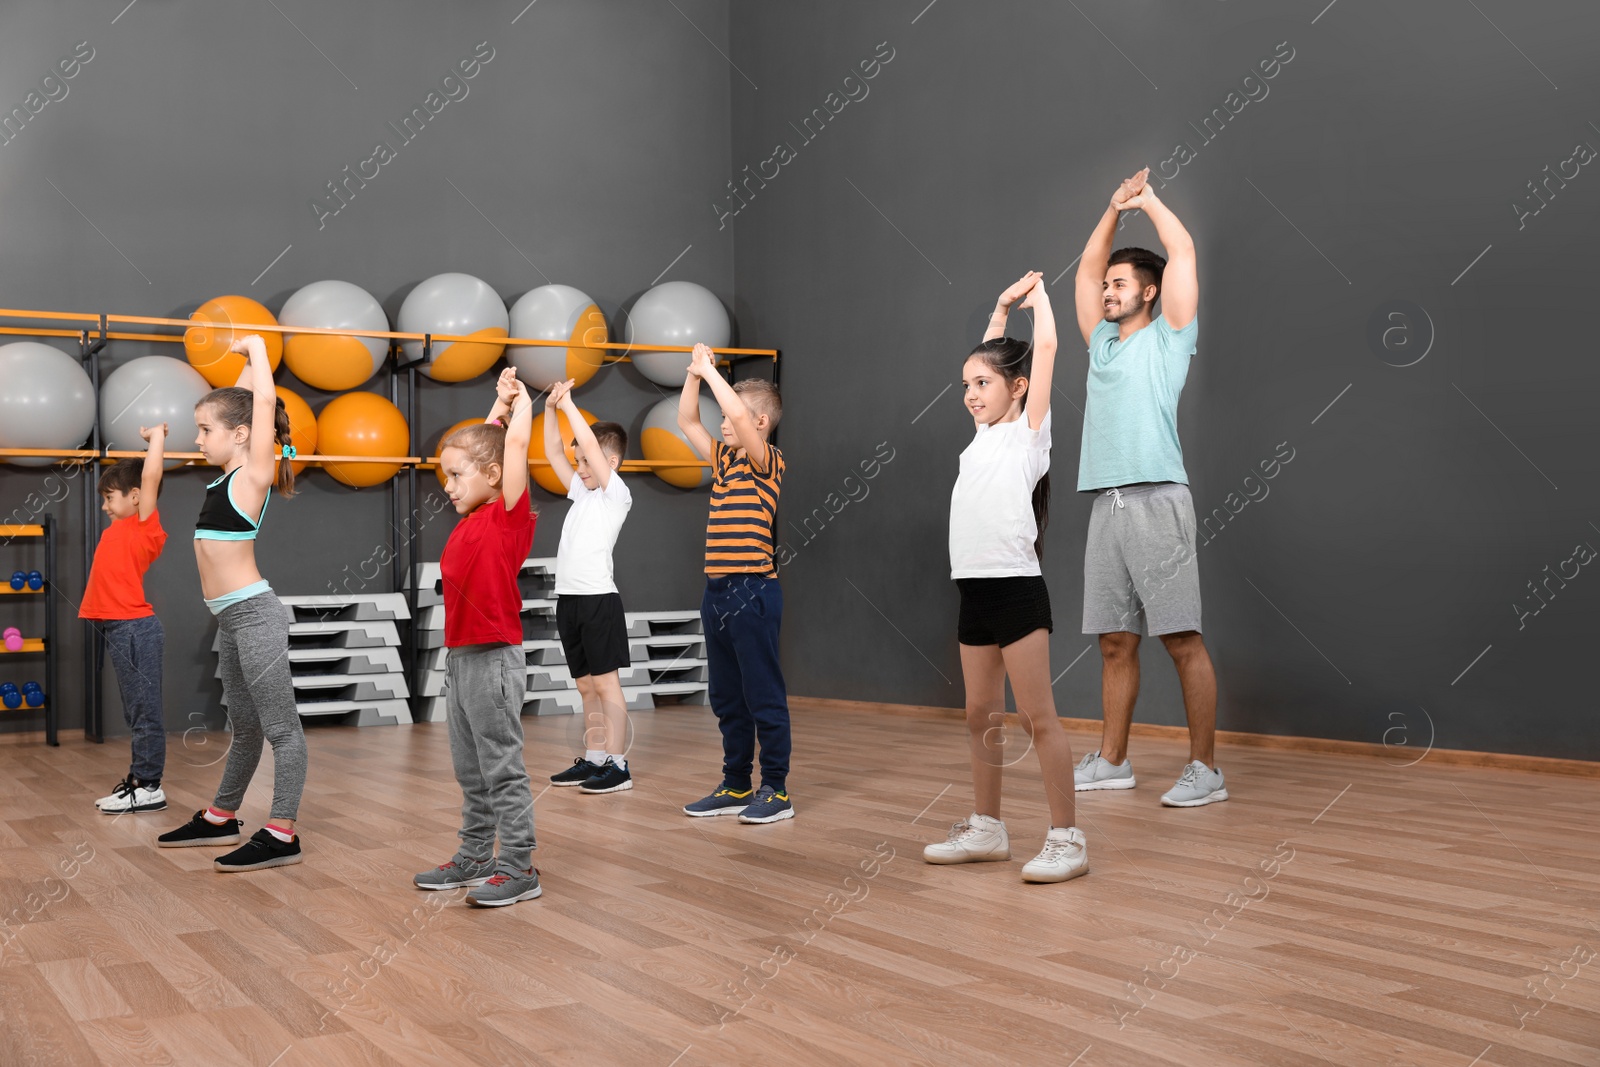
(253, 625)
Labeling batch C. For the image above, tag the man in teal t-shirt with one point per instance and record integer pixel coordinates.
(1140, 574)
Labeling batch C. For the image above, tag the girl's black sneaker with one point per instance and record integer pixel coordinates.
(260, 852)
(200, 831)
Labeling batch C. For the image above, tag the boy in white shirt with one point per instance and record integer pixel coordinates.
(589, 615)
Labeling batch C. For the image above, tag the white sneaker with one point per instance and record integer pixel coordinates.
(1095, 772)
(1065, 856)
(1197, 785)
(130, 798)
(977, 838)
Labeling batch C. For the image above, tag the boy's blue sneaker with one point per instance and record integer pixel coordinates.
(725, 801)
(768, 806)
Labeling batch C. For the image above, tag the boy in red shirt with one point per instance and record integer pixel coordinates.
(114, 599)
(486, 678)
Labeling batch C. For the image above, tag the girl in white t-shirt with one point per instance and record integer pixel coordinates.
(998, 513)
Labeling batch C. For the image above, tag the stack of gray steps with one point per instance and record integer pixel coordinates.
(344, 657)
(666, 647)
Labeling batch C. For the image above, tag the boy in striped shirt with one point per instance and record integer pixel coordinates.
(743, 605)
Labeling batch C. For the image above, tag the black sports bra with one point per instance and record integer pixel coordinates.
(220, 518)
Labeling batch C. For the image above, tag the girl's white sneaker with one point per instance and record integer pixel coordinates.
(1065, 856)
(974, 839)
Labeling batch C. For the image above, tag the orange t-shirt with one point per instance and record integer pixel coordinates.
(116, 579)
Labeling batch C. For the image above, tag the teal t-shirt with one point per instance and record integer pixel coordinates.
(1130, 422)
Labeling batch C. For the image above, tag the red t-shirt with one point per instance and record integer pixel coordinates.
(115, 589)
(482, 603)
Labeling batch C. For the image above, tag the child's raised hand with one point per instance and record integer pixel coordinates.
(702, 361)
(519, 395)
(1020, 288)
(505, 386)
(560, 393)
(241, 345)
(1126, 198)
(158, 430)
(1038, 296)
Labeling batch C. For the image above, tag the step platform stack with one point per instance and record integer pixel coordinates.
(344, 654)
(667, 650)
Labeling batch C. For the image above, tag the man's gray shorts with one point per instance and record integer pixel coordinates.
(1140, 571)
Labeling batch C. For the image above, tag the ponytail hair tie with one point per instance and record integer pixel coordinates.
(289, 452)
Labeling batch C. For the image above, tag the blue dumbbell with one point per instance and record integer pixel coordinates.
(35, 581)
(33, 694)
(9, 696)
(18, 580)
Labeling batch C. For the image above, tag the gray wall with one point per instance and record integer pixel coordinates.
(1387, 555)
(196, 138)
(1386, 156)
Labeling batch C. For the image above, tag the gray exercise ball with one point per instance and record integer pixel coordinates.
(46, 401)
(147, 391)
(675, 313)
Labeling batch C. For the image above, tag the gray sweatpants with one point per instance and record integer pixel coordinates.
(483, 687)
(254, 657)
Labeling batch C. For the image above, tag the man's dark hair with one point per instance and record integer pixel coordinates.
(1147, 266)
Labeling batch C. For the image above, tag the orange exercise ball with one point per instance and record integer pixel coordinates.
(302, 425)
(362, 424)
(207, 344)
(544, 476)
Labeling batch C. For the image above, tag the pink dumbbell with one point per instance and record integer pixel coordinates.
(13, 639)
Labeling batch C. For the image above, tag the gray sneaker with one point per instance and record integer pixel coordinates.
(1094, 772)
(1197, 785)
(507, 886)
(459, 872)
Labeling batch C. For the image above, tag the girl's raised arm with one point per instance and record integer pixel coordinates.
(514, 465)
(1044, 354)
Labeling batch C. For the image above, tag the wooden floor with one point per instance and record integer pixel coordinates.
(1338, 910)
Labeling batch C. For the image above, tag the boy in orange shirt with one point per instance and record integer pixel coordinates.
(114, 599)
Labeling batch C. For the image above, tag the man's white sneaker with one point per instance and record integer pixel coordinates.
(1065, 856)
(1197, 785)
(976, 838)
(1095, 772)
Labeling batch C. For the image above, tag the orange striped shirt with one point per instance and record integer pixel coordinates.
(744, 508)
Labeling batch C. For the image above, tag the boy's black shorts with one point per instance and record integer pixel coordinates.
(593, 632)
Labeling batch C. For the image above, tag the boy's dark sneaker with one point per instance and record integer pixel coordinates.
(199, 831)
(768, 806)
(260, 852)
(580, 771)
(609, 778)
(725, 801)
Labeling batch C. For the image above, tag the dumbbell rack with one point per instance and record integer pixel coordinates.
(46, 646)
(667, 650)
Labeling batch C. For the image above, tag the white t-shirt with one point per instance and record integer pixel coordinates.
(583, 559)
(991, 508)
